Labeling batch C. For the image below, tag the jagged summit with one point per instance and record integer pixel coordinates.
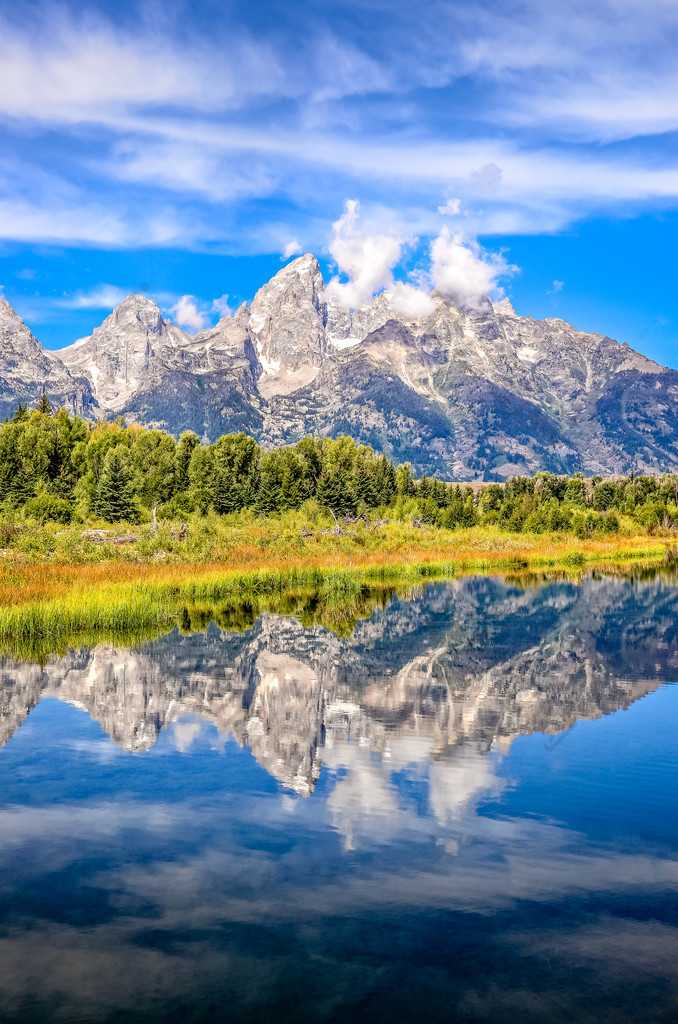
(461, 392)
(125, 352)
(287, 319)
(26, 369)
(136, 309)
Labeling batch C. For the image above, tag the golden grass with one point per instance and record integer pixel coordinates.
(45, 602)
(26, 579)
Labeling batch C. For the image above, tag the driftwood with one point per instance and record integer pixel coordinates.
(180, 533)
(378, 522)
(418, 524)
(352, 520)
(336, 531)
(326, 531)
(103, 536)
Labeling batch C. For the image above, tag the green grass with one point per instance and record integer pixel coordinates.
(127, 613)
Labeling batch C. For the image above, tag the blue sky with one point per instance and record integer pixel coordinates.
(182, 150)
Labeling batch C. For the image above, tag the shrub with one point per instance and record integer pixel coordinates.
(47, 507)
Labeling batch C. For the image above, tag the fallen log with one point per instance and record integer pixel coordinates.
(104, 537)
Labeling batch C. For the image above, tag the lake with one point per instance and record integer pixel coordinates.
(457, 805)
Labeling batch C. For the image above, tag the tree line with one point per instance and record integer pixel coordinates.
(58, 467)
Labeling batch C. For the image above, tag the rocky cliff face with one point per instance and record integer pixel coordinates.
(473, 662)
(26, 369)
(133, 346)
(465, 393)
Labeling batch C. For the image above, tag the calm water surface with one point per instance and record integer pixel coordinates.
(463, 811)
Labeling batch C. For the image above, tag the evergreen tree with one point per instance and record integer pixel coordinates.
(182, 460)
(21, 413)
(404, 481)
(469, 516)
(290, 486)
(226, 495)
(335, 493)
(268, 495)
(44, 405)
(114, 500)
(365, 486)
(424, 488)
(385, 478)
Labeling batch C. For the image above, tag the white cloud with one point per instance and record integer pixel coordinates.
(186, 314)
(366, 258)
(463, 272)
(162, 108)
(557, 286)
(488, 177)
(47, 222)
(452, 208)
(103, 296)
(460, 268)
(410, 300)
(291, 249)
(222, 307)
(71, 71)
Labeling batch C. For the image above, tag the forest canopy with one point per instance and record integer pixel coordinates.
(57, 467)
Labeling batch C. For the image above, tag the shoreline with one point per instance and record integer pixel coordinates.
(46, 607)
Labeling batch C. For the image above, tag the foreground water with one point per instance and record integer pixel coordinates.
(465, 810)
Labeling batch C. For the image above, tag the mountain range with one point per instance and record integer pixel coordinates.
(463, 393)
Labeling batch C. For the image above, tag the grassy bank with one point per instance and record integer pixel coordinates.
(121, 592)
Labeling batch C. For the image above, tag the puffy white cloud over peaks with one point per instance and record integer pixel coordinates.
(366, 259)
(462, 271)
(186, 313)
(292, 248)
(222, 306)
(410, 300)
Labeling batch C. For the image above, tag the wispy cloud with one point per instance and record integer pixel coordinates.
(103, 296)
(234, 132)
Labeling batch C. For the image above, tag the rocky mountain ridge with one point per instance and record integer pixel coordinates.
(464, 393)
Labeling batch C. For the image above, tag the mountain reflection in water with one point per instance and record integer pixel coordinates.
(428, 817)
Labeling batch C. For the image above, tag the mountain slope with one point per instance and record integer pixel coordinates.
(26, 369)
(466, 393)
